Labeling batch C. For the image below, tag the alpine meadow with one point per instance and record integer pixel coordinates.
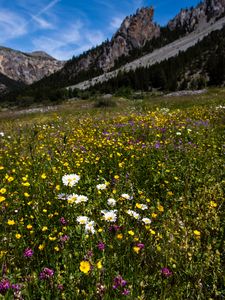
(112, 150)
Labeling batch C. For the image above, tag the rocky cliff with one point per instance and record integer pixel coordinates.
(136, 32)
(198, 17)
(133, 33)
(27, 67)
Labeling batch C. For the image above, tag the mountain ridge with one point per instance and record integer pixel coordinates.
(137, 43)
(156, 56)
(27, 68)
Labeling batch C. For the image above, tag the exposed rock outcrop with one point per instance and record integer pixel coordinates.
(133, 33)
(27, 68)
(192, 18)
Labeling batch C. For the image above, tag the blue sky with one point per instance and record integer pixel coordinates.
(64, 28)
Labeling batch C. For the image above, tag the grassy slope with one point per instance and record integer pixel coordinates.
(172, 161)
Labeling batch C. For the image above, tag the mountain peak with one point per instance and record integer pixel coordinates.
(41, 54)
(138, 28)
(191, 18)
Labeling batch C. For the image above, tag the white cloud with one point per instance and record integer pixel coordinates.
(72, 41)
(94, 37)
(11, 26)
(43, 24)
(116, 22)
(48, 7)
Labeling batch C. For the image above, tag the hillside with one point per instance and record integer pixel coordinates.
(200, 65)
(138, 44)
(137, 36)
(26, 68)
(156, 56)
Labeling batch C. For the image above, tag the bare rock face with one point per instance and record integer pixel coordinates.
(134, 32)
(192, 18)
(25, 67)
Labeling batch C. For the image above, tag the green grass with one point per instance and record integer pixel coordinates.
(166, 154)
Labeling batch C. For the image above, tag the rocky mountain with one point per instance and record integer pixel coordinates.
(133, 33)
(138, 43)
(137, 36)
(27, 68)
(198, 17)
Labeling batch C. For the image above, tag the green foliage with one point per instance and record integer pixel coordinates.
(164, 164)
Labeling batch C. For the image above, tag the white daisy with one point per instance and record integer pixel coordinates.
(89, 227)
(111, 202)
(109, 215)
(81, 198)
(70, 179)
(126, 196)
(133, 213)
(72, 198)
(147, 221)
(82, 220)
(101, 186)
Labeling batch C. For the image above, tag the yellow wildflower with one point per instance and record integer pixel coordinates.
(2, 191)
(212, 204)
(43, 176)
(197, 233)
(10, 178)
(2, 198)
(160, 208)
(136, 249)
(11, 222)
(41, 247)
(99, 265)
(85, 266)
(119, 236)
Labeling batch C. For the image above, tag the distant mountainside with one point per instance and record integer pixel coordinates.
(26, 68)
(201, 65)
(198, 17)
(137, 37)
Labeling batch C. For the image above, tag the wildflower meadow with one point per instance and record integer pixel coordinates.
(113, 204)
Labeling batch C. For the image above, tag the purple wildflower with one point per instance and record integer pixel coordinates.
(60, 287)
(4, 286)
(89, 253)
(46, 273)
(63, 221)
(166, 272)
(115, 228)
(28, 252)
(157, 145)
(125, 292)
(140, 245)
(119, 282)
(16, 287)
(101, 246)
(64, 238)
